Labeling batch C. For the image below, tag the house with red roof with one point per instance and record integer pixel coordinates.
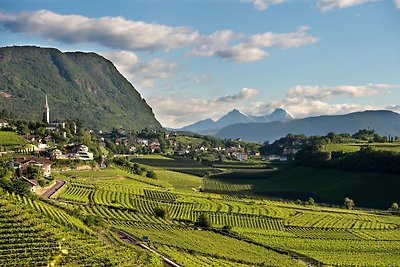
(43, 163)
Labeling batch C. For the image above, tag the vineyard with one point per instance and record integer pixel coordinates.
(35, 233)
(354, 147)
(246, 229)
(262, 232)
(10, 141)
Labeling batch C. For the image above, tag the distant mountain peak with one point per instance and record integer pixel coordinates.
(234, 111)
(234, 116)
(281, 114)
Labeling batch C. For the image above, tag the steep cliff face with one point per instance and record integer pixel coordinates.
(80, 86)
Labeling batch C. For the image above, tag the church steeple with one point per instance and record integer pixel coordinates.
(46, 112)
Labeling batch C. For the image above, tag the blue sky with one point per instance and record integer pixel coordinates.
(195, 59)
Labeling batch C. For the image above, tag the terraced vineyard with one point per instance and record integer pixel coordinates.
(34, 233)
(262, 232)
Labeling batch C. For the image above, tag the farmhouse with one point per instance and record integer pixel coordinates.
(78, 151)
(3, 123)
(241, 156)
(43, 163)
(290, 151)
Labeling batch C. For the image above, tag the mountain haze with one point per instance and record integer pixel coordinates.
(80, 86)
(210, 126)
(382, 121)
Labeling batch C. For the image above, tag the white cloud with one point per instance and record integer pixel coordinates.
(397, 3)
(320, 93)
(188, 111)
(245, 93)
(326, 5)
(395, 108)
(301, 107)
(218, 44)
(123, 60)
(142, 74)
(242, 53)
(113, 32)
(262, 4)
(206, 46)
(284, 40)
(222, 44)
(122, 34)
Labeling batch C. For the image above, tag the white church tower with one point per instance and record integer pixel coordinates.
(46, 112)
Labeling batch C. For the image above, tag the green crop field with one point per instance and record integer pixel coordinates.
(177, 164)
(263, 232)
(11, 139)
(328, 186)
(354, 147)
(192, 141)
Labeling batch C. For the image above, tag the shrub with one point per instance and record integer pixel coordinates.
(203, 221)
(151, 174)
(92, 220)
(348, 203)
(160, 212)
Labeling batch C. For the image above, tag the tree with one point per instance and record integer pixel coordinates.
(32, 172)
(349, 203)
(151, 174)
(160, 212)
(23, 129)
(394, 206)
(93, 220)
(20, 188)
(311, 201)
(203, 221)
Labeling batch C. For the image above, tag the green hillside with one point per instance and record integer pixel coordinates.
(80, 86)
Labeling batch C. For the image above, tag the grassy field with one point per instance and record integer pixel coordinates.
(354, 147)
(263, 232)
(11, 139)
(192, 141)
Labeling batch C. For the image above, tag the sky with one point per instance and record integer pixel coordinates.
(197, 59)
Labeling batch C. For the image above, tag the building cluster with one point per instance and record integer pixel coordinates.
(21, 164)
(43, 145)
(289, 151)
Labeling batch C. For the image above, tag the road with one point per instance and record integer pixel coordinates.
(54, 188)
(127, 238)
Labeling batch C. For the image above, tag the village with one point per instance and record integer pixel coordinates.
(64, 145)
